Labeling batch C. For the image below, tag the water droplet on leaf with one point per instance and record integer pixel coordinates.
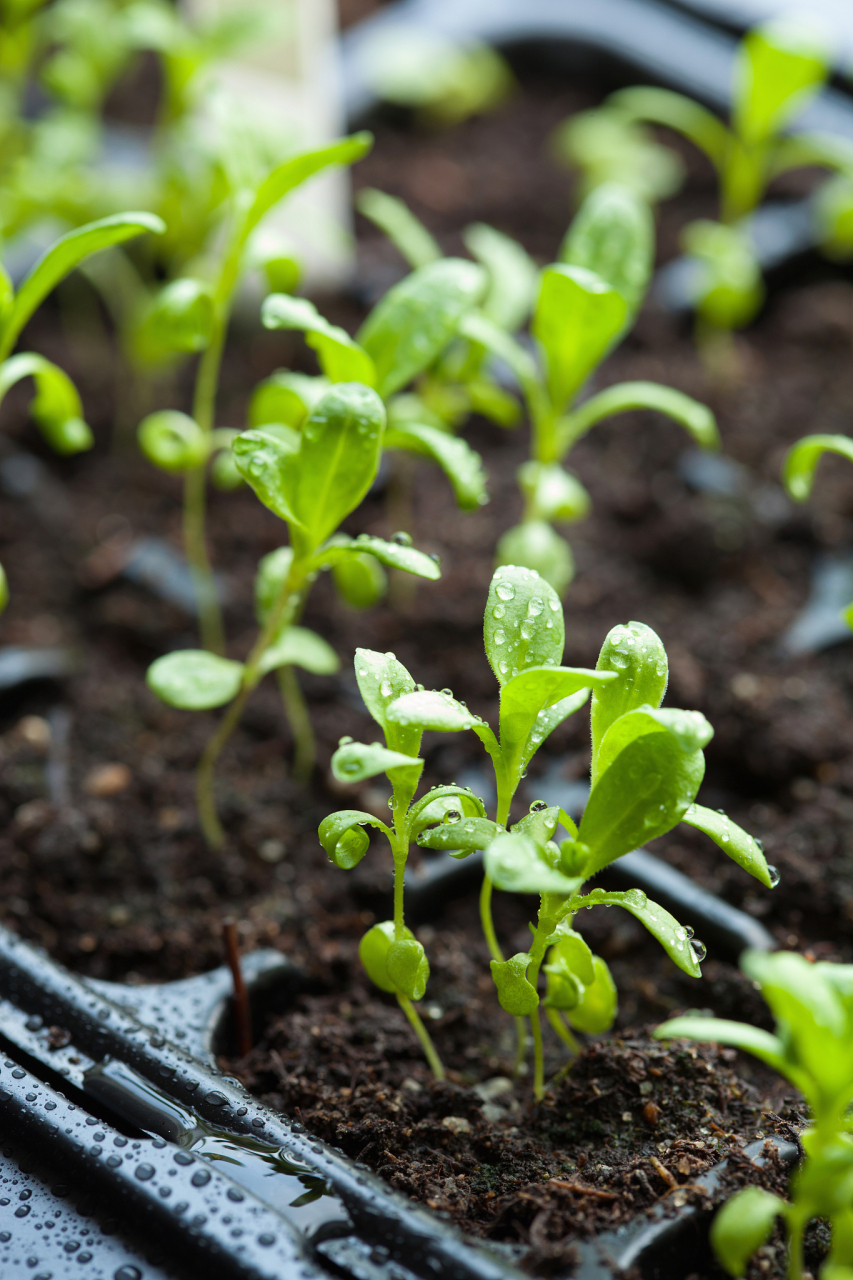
(538, 806)
(699, 950)
(505, 591)
(774, 875)
(402, 539)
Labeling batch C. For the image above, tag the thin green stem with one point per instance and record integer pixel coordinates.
(561, 1027)
(487, 922)
(537, 955)
(296, 710)
(423, 1036)
(208, 817)
(195, 547)
(796, 1231)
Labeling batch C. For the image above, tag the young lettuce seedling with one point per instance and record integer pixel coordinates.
(647, 766)
(811, 1048)
(193, 315)
(801, 463)
(312, 480)
(395, 961)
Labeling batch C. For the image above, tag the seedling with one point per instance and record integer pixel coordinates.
(194, 316)
(778, 70)
(647, 767)
(813, 1008)
(798, 472)
(311, 479)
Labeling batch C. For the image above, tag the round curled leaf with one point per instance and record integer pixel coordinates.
(194, 679)
(552, 493)
(595, 1011)
(223, 472)
(373, 952)
(408, 968)
(343, 837)
(173, 441)
(535, 545)
(359, 760)
(360, 580)
(743, 1225)
(564, 989)
(516, 995)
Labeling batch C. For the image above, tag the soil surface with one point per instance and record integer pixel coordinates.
(100, 857)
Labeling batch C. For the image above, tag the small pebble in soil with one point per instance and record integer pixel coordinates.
(271, 850)
(456, 1124)
(106, 780)
(35, 731)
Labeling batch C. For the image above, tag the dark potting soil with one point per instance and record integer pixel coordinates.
(104, 865)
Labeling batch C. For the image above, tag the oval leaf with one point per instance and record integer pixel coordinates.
(595, 1011)
(459, 462)
(343, 837)
(466, 834)
(512, 275)
(578, 315)
(743, 1224)
(696, 418)
(393, 554)
(516, 995)
(299, 647)
(514, 863)
(179, 320)
(552, 493)
(270, 580)
(286, 397)
(360, 580)
(373, 952)
(340, 356)
(408, 968)
(526, 697)
(638, 657)
(194, 679)
(732, 839)
(673, 937)
(613, 234)
(359, 760)
(523, 623)
(266, 461)
(537, 546)
(429, 709)
(173, 441)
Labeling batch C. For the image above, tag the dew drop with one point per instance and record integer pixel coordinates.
(699, 950)
(505, 591)
(452, 815)
(503, 667)
(535, 607)
(498, 611)
(435, 557)
(774, 875)
(385, 689)
(447, 693)
(526, 631)
(553, 605)
(500, 636)
(760, 844)
(538, 806)
(402, 539)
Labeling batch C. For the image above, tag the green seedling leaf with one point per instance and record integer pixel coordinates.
(381, 680)
(395, 219)
(172, 441)
(408, 968)
(595, 1011)
(643, 790)
(396, 555)
(613, 235)
(463, 834)
(194, 679)
(779, 68)
(373, 953)
(552, 493)
(63, 256)
(7, 296)
(478, 328)
(460, 463)
(730, 288)
(223, 469)
(577, 317)
(338, 458)
(673, 937)
(540, 548)
(356, 761)
(514, 863)
(266, 460)
(540, 823)
(675, 111)
(341, 358)
(286, 397)
(297, 169)
(417, 318)
(437, 803)
(733, 840)
(431, 709)
(516, 995)
(527, 697)
(360, 580)
(490, 400)
(56, 405)
(573, 951)
(638, 657)
(743, 1224)
(299, 647)
(802, 459)
(564, 989)
(690, 729)
(605, 147)
(179, 320)
(343, 837)
(762, 1044)
(273, 570)
(697, 419)
(512, 275)
(523, 623)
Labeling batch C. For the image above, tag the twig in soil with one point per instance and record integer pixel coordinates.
(584, 1191)
(664, 1173)
(242, 1012)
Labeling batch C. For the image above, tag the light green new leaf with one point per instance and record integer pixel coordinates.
(407, 233)
(571, 949)
(526, 698)
(466, 835)
(338, 458)
(431, 709)
(577, 317)
(638, 657)
(675, 111)
(552, 493)
(763, 1044)
(270, 579)
(546, 723)
(179, 320)
(613, 234)
(297, 169)
(56, 405)
(344, 839)
(63, 256)
(801, 462)
(512, 275)
(515, 994)
(381, 680)
(690, 730)
(595, 1011)
(408, 968)
(393, 554)
(360, 580)
(477, 327)
(460, 463)
(356, 761)
(730, 288)
(779, 67)
(266, 461)
(173, 441)
(373, 953)
(417, 318)
(194, 679)
(697, 419)
(299, 647)
(514, 863)
(732, 839)
(537, 546)
(743, 1224)
(523, 623)
(286, 397)
(340, 356)
(642, 794)
(434, 806)
(672, 936)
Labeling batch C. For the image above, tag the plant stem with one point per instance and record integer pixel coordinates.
(210, 825)
(296, 710)
(561, 1027)
(207, 602)
(423, 1036)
